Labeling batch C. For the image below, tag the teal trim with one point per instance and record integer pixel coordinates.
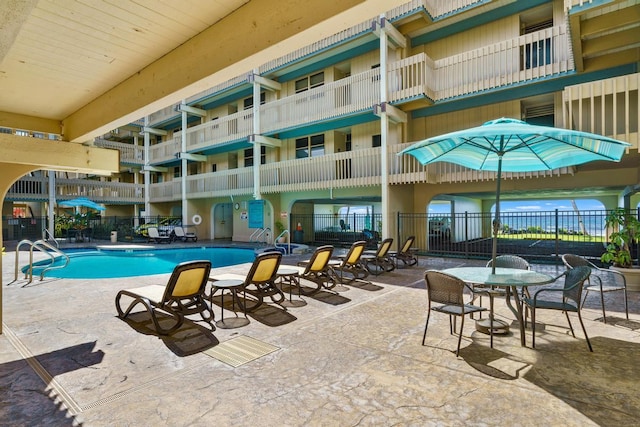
(323, 126)
(588, 6)
(227, 147)
(234, 88)
(232, 97)
(522, 90)
(512, 8)
(175, 122)
(331, 60)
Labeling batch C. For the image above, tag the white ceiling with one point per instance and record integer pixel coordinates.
(85, 67)
(59, 55)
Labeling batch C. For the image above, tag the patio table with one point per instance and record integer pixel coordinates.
(509, 278)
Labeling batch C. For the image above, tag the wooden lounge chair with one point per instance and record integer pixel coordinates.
(406, 254)
(185, 236)
(379, 261)
(183, 295)
(155, 236)
(350, 264)
(260, 282)
(317, 270)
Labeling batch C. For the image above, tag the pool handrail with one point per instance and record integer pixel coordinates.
(42, 246)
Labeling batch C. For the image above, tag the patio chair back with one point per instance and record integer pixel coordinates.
(604, 280)
(407, 245)
(355, 252)
(447, 290)
(187, 280)
(264, 268)
(319, 260)
(510, 261)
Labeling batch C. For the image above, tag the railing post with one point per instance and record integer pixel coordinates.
(557, 236)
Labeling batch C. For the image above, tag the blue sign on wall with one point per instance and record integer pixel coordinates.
(256, 213)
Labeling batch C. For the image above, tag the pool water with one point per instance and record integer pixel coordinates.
(96, 264)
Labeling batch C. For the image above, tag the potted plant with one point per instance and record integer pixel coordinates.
(280, 227)
(623, 238)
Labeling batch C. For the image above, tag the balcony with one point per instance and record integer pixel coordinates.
(129, 154)
(37, 189)
(606, 107)
(351, 95)
(234, 127)
(165, 151)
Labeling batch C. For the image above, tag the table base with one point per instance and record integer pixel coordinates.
(293, 303)
(231, 323)
(500, 327)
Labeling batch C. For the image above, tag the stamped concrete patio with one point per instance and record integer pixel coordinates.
(341, 360)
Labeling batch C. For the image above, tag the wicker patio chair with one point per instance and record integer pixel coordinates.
(569, 299)
(350, 264)
(317, 270)
(447, 290)
(406, 254)
(604, 280)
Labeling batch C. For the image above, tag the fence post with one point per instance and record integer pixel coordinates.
(557, 236)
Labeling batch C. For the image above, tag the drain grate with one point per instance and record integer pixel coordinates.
(240, 350)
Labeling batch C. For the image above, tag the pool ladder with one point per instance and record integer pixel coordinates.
(42, 246)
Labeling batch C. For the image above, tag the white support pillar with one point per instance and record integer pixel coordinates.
(52, 201)
(136, 180)
(384, 135)
(256, 131)
(183, 165)
(147, 172)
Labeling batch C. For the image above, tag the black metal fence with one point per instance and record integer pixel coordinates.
(537, 236)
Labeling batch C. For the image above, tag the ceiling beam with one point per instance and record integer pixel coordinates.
(58, 155)
(21, 121)
(247, 38)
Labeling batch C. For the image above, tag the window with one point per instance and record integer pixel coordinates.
(537, 53)
(376, 140)
(214, 167)
(248, 102)
(310, 146)
(248, 156)
(176, 172)
(309, 82)
(22, 132)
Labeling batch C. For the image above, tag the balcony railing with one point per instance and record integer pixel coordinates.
(606, 107)
(100, 191)
(129, 153)
(165, 151)
(165, 191)
(229, 128)
(339, 170)
(37, 188)
(229, 182)
(343, 97)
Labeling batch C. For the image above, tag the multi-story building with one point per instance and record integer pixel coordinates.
(322, 127)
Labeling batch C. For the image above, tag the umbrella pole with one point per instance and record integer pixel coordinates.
(496, 220)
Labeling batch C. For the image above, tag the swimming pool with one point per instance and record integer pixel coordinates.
(111, 263)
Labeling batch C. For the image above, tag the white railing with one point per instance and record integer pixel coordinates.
(223, 183)
(165, 114)
(99, 191)
(165, 151)
(605, 107)
(129, 153)
(29, 187)
(339, 170)
(316, 47)
(410, 77)
(233, 127)
(437, 8)
(531, 56)
(165, 191)
(349, 95)
(238, 80)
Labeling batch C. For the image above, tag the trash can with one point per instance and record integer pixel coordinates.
(114, 236)
(298, 236)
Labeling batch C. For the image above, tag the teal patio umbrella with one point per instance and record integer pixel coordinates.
(81, 202)
(510, 145)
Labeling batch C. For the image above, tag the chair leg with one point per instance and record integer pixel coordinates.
(626, 304)
(604, 314)
(570, 325)
(584, 331)
(491, 320)
(424, 337)
(460, 336)
(533, 327)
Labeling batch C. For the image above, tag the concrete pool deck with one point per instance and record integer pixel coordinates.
(349, 359)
